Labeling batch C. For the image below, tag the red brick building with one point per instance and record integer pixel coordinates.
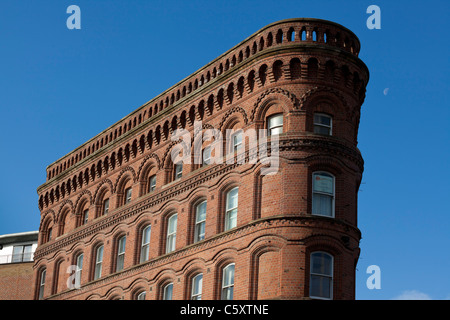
(140, 225)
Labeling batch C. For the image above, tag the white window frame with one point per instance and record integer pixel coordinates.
(178, 171)
(141, 295)
(85, 216)
(79, 269)
(98, 262)
(121, 244)
(318, 124)
(196, 292)
(128, 194)
(171, 234)
(165, 291)
(270, 127)
(227, 287)
(237, 143)
(231, 213)
(331, 195)
(22, 256)
(327, 276)
(42, 284)
(199, 229)
(145, 244)
(106, 206)
(152, 183)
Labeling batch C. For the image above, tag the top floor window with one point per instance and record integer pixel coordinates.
(178, 171)
(323, 124)
(128, 193)
(152, 183)
(275, 124)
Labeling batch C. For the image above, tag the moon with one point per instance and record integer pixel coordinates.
(385, 91)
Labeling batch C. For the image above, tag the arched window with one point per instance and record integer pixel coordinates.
(152, 183)
(128, 192)
(120, 253)
(85, 216)
(145, 243)
(41, 284)
(321, 276)
(98, 262)
(275, 124)
(171, 233)
(197, 282)
(231, 208)
(323, 194)
(141, 296)
(168, 291)
(200, 218)
(79, 269)
(227, 282)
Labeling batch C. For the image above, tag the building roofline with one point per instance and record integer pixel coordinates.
(19, 237)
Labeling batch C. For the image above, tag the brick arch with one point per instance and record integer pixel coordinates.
(146, 163)
(274, 94)
(86, 194)
(123, 173)
(230, 115)
(259, 247)
(105, 184)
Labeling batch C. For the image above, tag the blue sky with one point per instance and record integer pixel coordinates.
(60, 87)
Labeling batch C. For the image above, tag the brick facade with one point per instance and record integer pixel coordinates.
(277, 70)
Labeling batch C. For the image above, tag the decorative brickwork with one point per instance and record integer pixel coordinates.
(297, 68)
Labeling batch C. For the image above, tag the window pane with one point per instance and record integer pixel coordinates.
(275, 121)
(207, 155)
(321, 130)
(228, 275)
(152, 185)
(276, 130)
(232, 198)
(141, 296)
(168, 292)
(323, 182)
(197, 287)
(322, 205)
(320, 287)
(231, 219)
(321, 263)
(201, 212)
(106, 206)
(172, 224)
(322, 119)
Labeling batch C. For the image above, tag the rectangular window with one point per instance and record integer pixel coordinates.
(321, 272)
(323, 194)
(237, 141)
(206, 156)
(152, 183)
(322, 124)
(128, 193)
(22, 253)
(42, 284)
(197, 283)
(200, 218)
(178, 170)
(121, 254)
(228, 282)
(231, 209)
(171, 233)
(106, 206)
(275, 124)
(145, 244)
(98, 263)
(85, 216)
(78, 270)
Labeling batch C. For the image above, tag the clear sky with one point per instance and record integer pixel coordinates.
(61, 87)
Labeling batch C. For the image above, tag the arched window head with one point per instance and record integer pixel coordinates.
(200, 219)
(168, 291)
(197, 283)
(231, 208)
(171, 233)
(227, 282)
